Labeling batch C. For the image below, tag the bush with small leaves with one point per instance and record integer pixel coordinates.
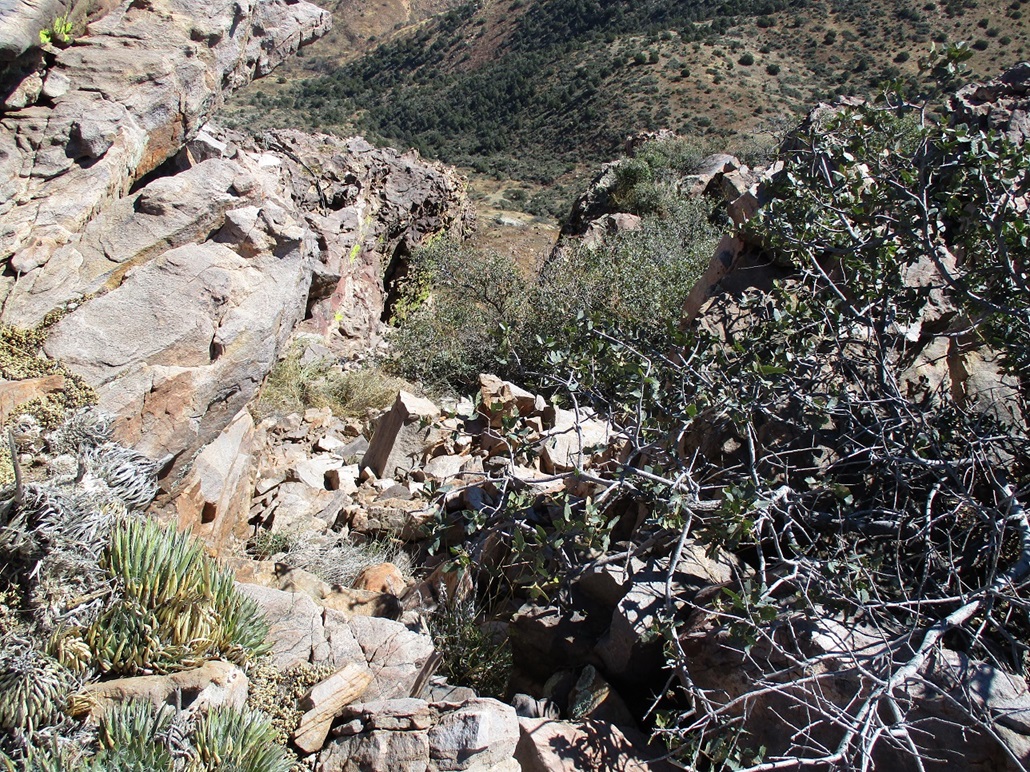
(471, 655)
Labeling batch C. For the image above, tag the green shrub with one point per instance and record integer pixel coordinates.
(746, 59)
(471, 656)
(487, 314)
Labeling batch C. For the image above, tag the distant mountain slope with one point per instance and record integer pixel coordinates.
(530, 88)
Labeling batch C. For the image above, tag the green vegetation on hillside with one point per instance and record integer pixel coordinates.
(465, 313)
(528, 90)
(850, 422)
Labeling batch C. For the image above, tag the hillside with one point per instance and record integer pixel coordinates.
(529, 90)
(299, 478)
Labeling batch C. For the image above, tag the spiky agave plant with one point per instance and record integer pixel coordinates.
(176, 608)
(242, 740)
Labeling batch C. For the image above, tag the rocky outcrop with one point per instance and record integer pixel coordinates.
(476, 735)
(185, 288)
(1002, 104)
(98, 131)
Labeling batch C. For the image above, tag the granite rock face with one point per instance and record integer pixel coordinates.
(123, 100)
(188, 255)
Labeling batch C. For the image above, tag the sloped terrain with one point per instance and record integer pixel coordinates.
(528, 90)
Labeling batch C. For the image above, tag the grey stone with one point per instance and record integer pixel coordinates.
(479, 734)
(394, 653)
(376, 751)
(295, 625)
(182, 345)
(343, 646)
(402, 436)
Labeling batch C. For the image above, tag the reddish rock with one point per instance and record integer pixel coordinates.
(385, 577)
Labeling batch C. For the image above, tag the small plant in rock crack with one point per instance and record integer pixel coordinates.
(472, 655)
(266, 543)
(58, 33)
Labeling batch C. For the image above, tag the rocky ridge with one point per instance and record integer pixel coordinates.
(197, 255)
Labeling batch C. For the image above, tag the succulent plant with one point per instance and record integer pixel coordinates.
(277, 692)
(176, 608)
(134, 733)
(33, 689)
(67, 646)
(234, 739)
(82, 429)
(130, 475)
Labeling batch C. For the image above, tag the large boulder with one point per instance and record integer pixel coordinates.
(216, 496)
(370, 208)
(102, 130)
(190, 286)
(182, 345)
(546, 745)
(402, 437)
(295, 625)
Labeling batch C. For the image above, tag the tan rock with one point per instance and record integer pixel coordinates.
(607, 226)
(575, 442)
(503, 398)
(398, 518)
(395, 654)
(444, 467)
(326, 700)
(295, 625)
(481, 733)
(105, 130)
(360, 603)
(315, 471)
(213, 684)
(15, 393)
(383, 578)
(402, 436)
(345, 602)
(216, 497)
